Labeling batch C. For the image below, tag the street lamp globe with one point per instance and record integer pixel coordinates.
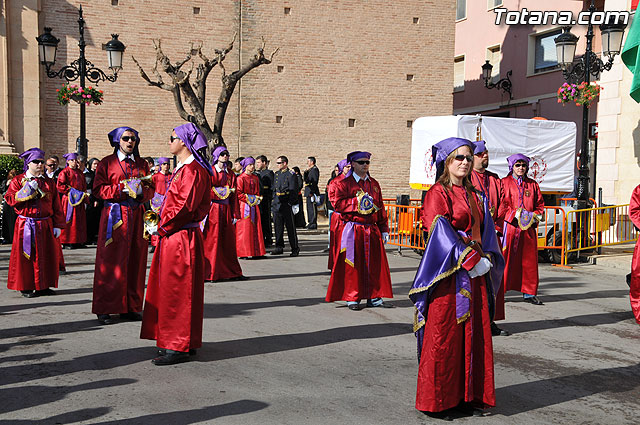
(612, 33)
(115, 50)
(47, 46)
(566, 47)
(487, 68)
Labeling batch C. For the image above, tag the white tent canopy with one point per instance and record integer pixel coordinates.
(551, 145)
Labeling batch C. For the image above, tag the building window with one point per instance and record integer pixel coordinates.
(409, 123)
(280, 68)
(416, 20)
(492, 4)
(196, 10)
(279, 119)
(409, 77)
(461, 9)
(287, 11)
(114, 2)
(352, 122)
(493, 56)
(545, 52)
(458, 73)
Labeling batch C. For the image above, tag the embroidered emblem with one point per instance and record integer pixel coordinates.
(365, 203)
(527, 193)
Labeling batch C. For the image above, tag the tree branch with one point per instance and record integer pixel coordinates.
(159, 83)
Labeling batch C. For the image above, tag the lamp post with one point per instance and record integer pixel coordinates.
(586, 67)
(503, 84)
(80, 68)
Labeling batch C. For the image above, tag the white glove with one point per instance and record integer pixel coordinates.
(33, 184)
(235, 220)
(56, 232)
(481, 268)
(152, 230)
(125, 189)
(385, 237)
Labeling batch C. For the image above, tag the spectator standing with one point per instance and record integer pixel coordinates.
(298, 214)
(312, 192)
(284, 191)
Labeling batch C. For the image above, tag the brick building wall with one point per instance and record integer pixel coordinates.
(338, 61)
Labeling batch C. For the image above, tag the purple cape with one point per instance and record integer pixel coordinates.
(194, 140)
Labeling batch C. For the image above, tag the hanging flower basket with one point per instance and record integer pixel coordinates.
(86, 95)
(580, 94)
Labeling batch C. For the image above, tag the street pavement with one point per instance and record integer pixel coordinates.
(275, 353)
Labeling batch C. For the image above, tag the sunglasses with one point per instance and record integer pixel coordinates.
(224, 154)
(39, 161)
(461, 158)
(174, 138)
(127, 138)
(278, 162)
(363, 162)
(50, 165)
(519, 165)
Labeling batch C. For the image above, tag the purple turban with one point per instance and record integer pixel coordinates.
(194, 140)
(70, 156)
(515, 158)
(115, 135)
(354, 156)
(441, 150)
(31, 155)
(247, 161)
(342, 164)
(480, 147)
(163, 159)
(216, 154)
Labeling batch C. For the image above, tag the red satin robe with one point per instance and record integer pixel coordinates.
(118, 281)
(520, 248)
(41, 270)
(173, 309)
(490, 185)
(634, 292)
(249, 238)
(334, 245)
(221, 260)
(456, 363)
(369, 276)
(160, 183)
(76, 230)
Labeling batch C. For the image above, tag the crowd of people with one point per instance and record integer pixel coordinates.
(206, 213)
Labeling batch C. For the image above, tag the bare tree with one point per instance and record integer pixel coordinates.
(194, 93)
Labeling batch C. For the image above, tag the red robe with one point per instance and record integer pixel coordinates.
(40, 271)
(490, 185)
(520, 247)
(249, 239)
(334, 245)
(369, 275)
(221, 260)
(634, 293)
(456, 362)
(121, 264)
(76, 230)
(160, 183)
(173, 309)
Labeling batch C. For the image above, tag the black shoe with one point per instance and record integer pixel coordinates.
(294, 253)
(445, 415)
(533, 300)
(163, 351)
(277, 251)
(66, 246)
(468, 409)
(133, 316)
(105, 319)
(382, 305)
(496, 331)
(354, 307)
(242, 258)
(171, 357)
(312, 227)
(30, 294)
(45, 292)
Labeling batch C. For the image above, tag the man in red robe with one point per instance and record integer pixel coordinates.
(634, 292)
(221, 260)
(160, 181)
(521, 209)
(360, 270)
(121, 256)
(73, 187)
(34, 260)
(490, 185)
(173, 310)
(249, 238)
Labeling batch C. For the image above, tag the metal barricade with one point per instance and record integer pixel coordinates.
(551, 236)
(405, 230)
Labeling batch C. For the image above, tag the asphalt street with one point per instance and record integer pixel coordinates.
(275, 352)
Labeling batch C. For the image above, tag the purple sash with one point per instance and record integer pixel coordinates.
(250, 211)
(114, 219)
(28, 233)
(75, 197)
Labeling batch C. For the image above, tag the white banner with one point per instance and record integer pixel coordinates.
(549, 144)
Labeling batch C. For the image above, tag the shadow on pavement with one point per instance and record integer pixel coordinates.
(5, 347)
(552, 391)
(213, 351)
(24, 397)
(64, 418)
(584, 320)
(612, 293)
(25, 357)
(29, 305)
(51, 329)
(217, 311)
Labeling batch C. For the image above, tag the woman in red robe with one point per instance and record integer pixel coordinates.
(634, 293)
(121, 255)
(73, 187)
(173, 310)
(34, 260)
(249, 239)
(221, 261)
(360, 270)
(452, 301)
(521, 208)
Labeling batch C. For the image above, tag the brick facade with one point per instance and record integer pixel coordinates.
(341, 60)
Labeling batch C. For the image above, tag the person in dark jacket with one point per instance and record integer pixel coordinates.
(312, 192)
(266, 182)
(298, 213)
(285, 191)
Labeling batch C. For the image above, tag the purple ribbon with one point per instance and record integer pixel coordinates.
(75, 197)
(250, 211)
(348, 243)
(28, 233)
(114, 220)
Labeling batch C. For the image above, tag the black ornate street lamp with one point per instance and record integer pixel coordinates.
(589, 65)
(503, 84)
(80, 68)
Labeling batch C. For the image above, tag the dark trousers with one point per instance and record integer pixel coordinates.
(312, 212)
(265, 219)
(281, 218)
